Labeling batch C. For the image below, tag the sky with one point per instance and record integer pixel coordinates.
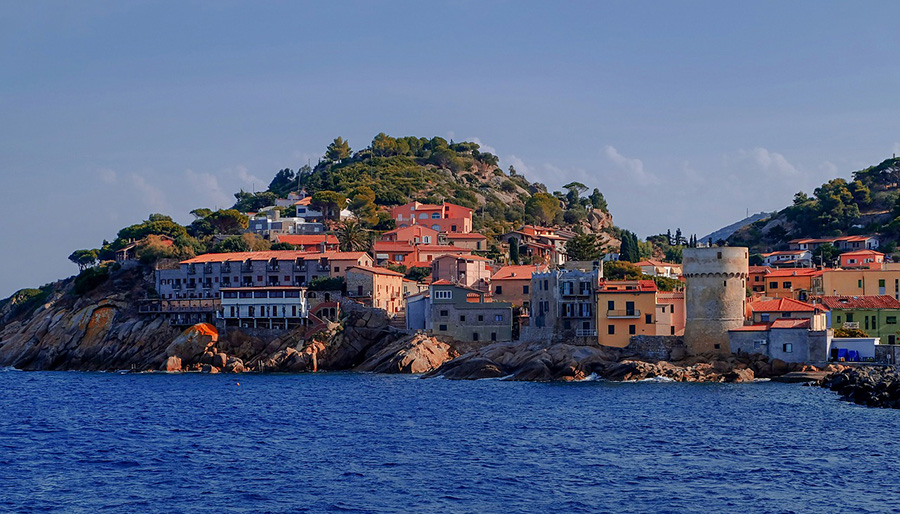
(684, 114)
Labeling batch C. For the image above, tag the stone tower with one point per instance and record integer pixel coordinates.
(715, 292)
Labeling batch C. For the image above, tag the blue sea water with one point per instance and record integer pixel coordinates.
(341, 442)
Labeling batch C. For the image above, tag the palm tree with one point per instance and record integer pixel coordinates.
(353, 237)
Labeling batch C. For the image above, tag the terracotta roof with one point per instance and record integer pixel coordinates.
(517, 272)
(307, 239)
(653, 262)
(794, 272)
(442, 282)
(860, 302)
(862, 252)
(462, 255)
(470, 235)
(441, 248)
(340, 256)
(377, 270)
(758, 327)
(640, 286)
(759, 269)
(393, 246)
(282, 255)
(785, 252)
(790, 323)
(304, 201)
(784, 305)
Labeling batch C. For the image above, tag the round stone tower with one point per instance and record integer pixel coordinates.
(715, 292)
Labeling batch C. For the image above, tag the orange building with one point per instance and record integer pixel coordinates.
(377, 287)
(756, 279)
(414, 234)
(625, 308)
(791, 283)
(513, 284)
(869, 259)
(311, 242)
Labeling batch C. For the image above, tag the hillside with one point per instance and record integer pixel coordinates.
(725, 232)
(867, 204)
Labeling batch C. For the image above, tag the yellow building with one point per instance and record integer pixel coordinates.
(625, 308)
(861, 282)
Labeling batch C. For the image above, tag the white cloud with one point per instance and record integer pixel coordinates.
(107, 176)
(256, 183)
(634, 167)
(771, 163)
(152, 197)
(484, 147)
(518, 164)
(207, 189)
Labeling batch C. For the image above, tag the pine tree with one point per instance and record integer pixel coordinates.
(669, 236)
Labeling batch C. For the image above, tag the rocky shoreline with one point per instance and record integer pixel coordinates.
(872, 386)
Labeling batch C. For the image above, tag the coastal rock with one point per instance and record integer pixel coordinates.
(193, 343)
(413, 354)
(867, 385)
(470, 369)
(172, 364)
(209, 369)
(219, 360)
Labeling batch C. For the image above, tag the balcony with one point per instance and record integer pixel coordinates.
(226, 268)
(207, 268)
(585, 332)
(323, 268)
(273, 267)
(192, 270)
(623, 314)
(246, 268)
(300, 268)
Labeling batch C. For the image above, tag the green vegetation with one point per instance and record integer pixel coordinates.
(327, 284)
(90, 278)
(585, 247)
(25, 301)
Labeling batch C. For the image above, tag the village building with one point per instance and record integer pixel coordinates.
(412, 235)
(765, 311)
(541, 244)
(129, 251)
(376, 287)
(877, 316)
(563, 305)
(263, 307)
(446, 217)
(859, 282)
(785, 329)
(656, 268)
(843, 243)
(472, 241)
(465, 314)
(788, 259)
(670, 313)
(626, 308)
(305, 210)
(798, 283)
(464, 269)
(869, 259)
(757, 278)
(310, 242)
(513, 284)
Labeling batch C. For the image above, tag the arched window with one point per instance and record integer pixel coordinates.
(436, 215)
(423, 216)
(436, 227)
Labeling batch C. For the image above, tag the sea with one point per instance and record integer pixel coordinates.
(74, 442)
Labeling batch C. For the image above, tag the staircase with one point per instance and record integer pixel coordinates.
(399, 321)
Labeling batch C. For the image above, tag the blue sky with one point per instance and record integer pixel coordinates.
(685, 114)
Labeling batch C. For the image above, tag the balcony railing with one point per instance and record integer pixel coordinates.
(226, 268)
(273, 267)
(246, 268)
(192, 270)
(301, 267)
(208, 268)
(323, 268)
(632, 313)
(851, 324)
(585, 332)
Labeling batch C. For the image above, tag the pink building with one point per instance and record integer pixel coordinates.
(414, 234)
(862, 259)
(467, 270)
(446, 217)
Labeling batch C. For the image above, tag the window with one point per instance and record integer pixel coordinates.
(499, 290)
(493, 336)
(648, 318)
(773, 285)
(786, 285)
(785, 314)
(436, 227)
(719, 255)
(838, 318)
(717, 346)
(442, 328)
(672, 331)
(764, 317)
(610, 329)
(337, 268)
(498, 317)
(787, 347)
(890, 320)
(849, 317)
(443, 295)
(462, 318)
(859, 284)
(525, 289)
(881, 282)
(631, 329)
(423, 216)
(481, 317)
(435, 215)
(611, 305)
(445, 313)
(474, 336)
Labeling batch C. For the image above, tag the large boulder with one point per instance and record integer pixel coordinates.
(193, 343)
(415, 354)
(471, 368)
(172, 364)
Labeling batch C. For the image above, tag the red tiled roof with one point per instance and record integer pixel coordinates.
(470, 235)
(794, 272)
(441, 248)
(517, 272)
(758, 327)
(862, 252)
(462, 255)
(308, 239)
(282, 255)
(339, 256)
(790, 323)
(860, 302)
(784, 305)
(377, 270)
(641, 286)
(304, 201)
(759, 269)
(392, 246)
(442, 282)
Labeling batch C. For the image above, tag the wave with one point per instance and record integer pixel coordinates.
(8, 368)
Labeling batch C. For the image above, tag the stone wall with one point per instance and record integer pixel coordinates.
(657, 347)
(887, 353)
